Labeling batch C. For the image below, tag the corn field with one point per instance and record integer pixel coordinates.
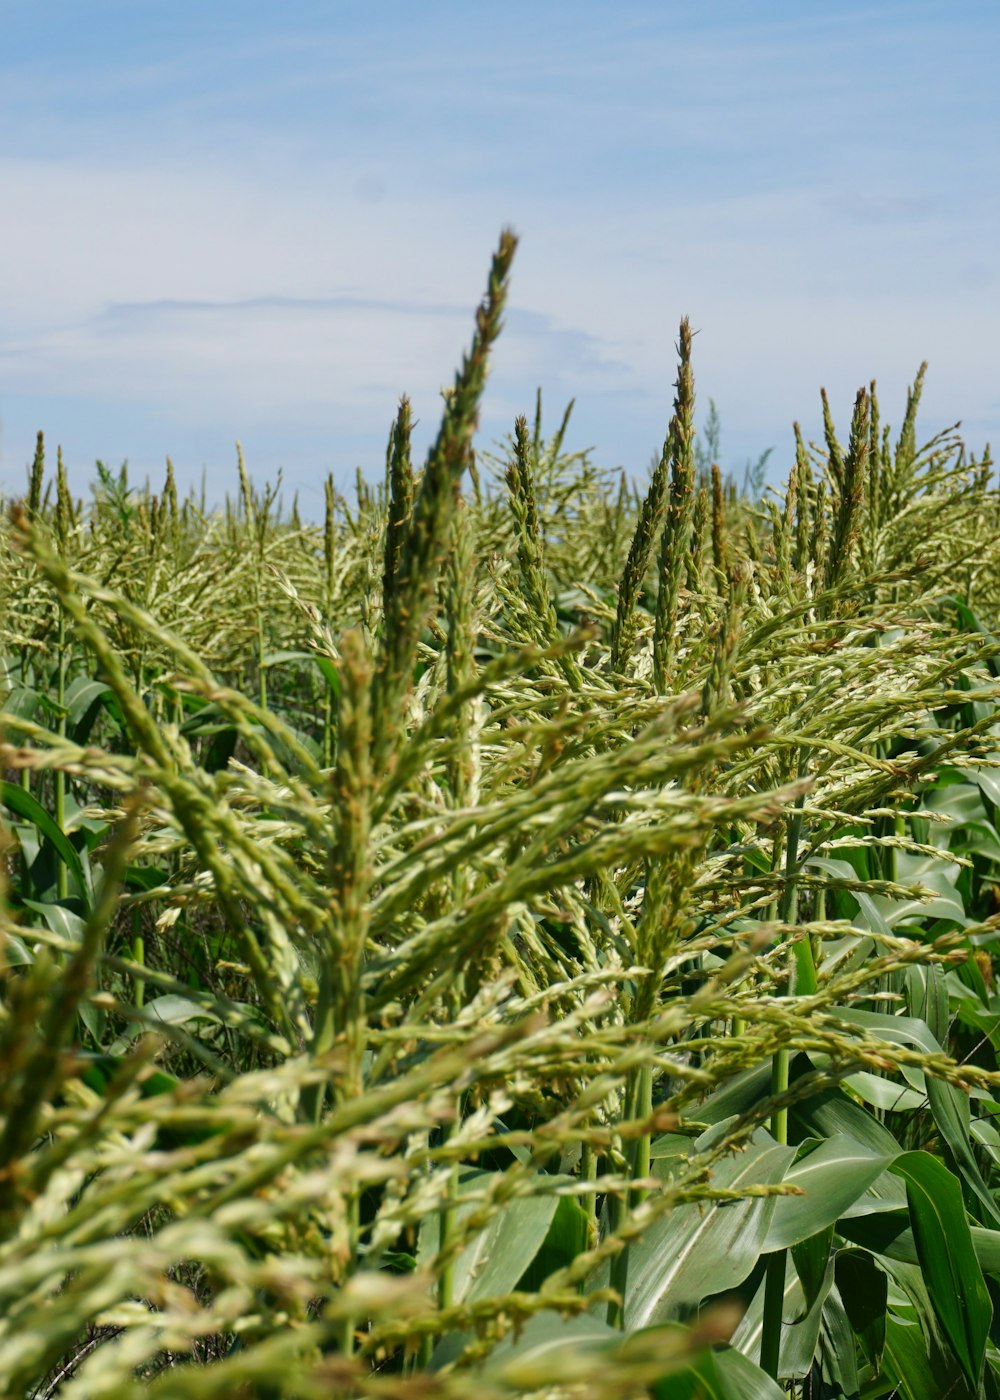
(532, 935)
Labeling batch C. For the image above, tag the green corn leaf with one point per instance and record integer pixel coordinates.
(947, 1257)
(811, 1258)
(870, 916)
(719, 1375)
(695, 1251)
(887, 1231)
(175, 1010)
(801, 1323)
(948, 1104)
(498, 1255)
(831, 1111)
(550, 1347)
(16, 799)
(834, 1176)
(910, 1301)
(85, 700)
(927, 996)
(566, 1237)
(907, 1365)
(740, 1379)
(887, 1095)
(282, 658)
(99, 1070)
(22, 702)
(328, 670)
(60, 920)
(547, 1345)
(14, 951)
(836, 1353)
(864, 1291)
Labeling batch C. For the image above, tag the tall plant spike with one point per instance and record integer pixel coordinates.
(699, 526)
(536, 436)
(340, 1009)
(521, 488)
(854, 470)
(65, 516)
(819, 535)
(425, 543)
(246, 490)
(36, 476)
(720, 533)
(555, 447)
(640, 551)
(876, 508)
(170, 496)
(460, 611)
(676, 535)
(717, 692)
(400, 505)
(835, 453)
(785, 530)
(329, 539)
(804, 488)
(906, 446)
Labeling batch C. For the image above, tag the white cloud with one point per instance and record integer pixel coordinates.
(208, 294)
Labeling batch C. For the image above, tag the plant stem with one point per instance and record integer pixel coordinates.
(449, 1226)
(774, 1297)
(803, 971)
(346, 1326)
(62, 876)
(139, 956)
(774, 1284)
(638, 1104)
(641, 1150)
(588, 1172)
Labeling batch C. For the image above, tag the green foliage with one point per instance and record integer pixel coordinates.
(530, 941)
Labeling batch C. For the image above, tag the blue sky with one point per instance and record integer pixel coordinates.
(243, 220)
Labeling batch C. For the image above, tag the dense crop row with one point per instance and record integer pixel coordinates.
(530, 924)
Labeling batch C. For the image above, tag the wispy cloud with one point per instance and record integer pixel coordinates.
(271, 357)
(876, 208)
